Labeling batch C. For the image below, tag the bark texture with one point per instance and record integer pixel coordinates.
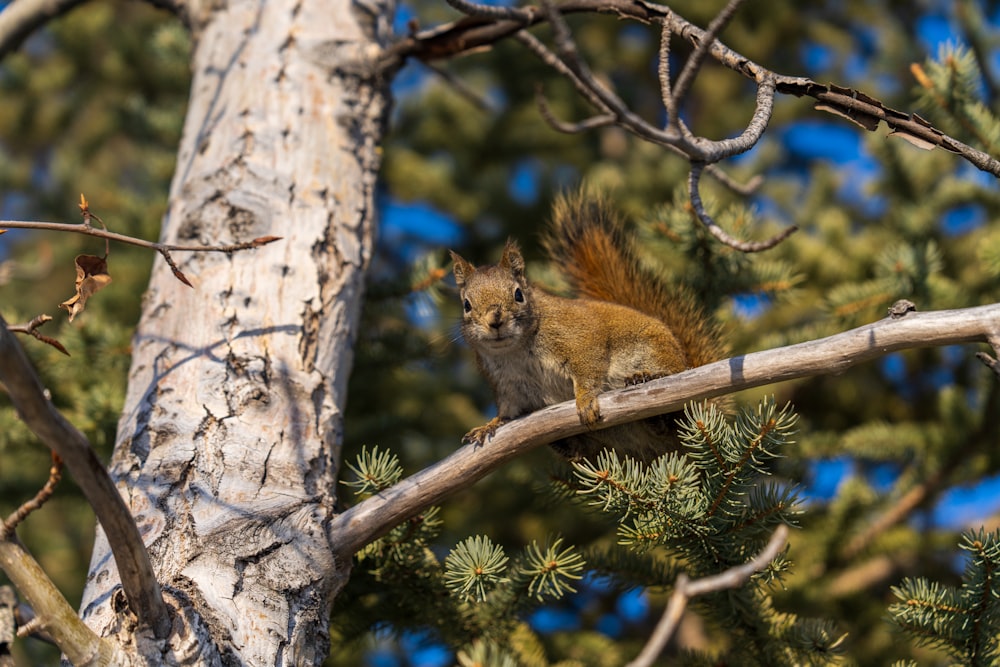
(229, 442)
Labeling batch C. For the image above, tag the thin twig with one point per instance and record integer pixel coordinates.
(459, 86)
(549, 117)
(713, 227)
(163, 248)
(89, 230)
(991, 362)
(552, 60)
(697, 58)
(10, 524)
(743, 189)
(685, 589)
(31, 329)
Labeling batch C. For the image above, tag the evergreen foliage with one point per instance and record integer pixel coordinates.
(701, 511)
(964, 621)
(94, 103)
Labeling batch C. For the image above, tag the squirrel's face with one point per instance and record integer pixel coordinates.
(496, 309)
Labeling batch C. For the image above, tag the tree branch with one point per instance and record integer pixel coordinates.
(163, 248)
(57, 618)
(685, 589)
(31, 329)
(694, 193)
(21, 18)
(375, 516)
(693, 64)
(26, 393)
(9, 524)
(471, 33)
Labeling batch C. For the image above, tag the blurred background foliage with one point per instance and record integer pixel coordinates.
(95, 102)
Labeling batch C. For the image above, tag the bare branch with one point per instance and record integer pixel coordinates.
(569, 128)
(55, 474)
(21, 18)
(717, 231)
(377, 515)
(26, 393)
(491, 11)
(84, 228)
(163, 248)
(991, 362)
(467, 35)
(694, 62)
(583, 87)
(53, 614)
(744, 189)
(31, 329)
(459, 86)
(714, 151)
(685, 589)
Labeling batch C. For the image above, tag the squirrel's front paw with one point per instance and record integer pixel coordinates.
(589, 412)
(640, 377)
(480, 434)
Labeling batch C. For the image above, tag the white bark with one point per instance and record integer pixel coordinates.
(229, 442)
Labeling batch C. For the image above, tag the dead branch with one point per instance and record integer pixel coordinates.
(470, 33)
(991, 362)
(694, 193)
(31, 329)
(163, 248)
(53, 614)
(676, 137)
(685, 589)
(375, 516)
(27, 395)
(55, 474)
(20, 19)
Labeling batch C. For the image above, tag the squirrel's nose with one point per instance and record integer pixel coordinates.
(496, 319)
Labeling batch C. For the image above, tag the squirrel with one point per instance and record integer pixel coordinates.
(626, 326)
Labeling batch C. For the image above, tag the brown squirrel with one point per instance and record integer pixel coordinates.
(627, 326)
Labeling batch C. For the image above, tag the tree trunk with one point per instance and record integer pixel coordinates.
(229, 443)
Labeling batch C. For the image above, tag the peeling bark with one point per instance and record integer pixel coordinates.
(230, 437)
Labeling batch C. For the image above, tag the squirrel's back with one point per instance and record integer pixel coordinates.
(587, 240)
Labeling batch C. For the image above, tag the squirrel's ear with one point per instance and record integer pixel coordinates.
(462, 268)
(512, 259)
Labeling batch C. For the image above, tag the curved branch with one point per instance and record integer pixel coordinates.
(718, 232)
(37, 412)
(693, 64)
(79, 643)
(377, 515)
(21, 18)
(471, 33)
(685, 589)
(491, 11)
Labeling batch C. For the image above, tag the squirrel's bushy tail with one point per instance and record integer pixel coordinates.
(587, 240)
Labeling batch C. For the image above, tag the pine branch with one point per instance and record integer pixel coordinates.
(685, 589)
(377, 515)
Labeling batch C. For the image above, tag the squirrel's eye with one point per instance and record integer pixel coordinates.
(468, 306)
(518, 295)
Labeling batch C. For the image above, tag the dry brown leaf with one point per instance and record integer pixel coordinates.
(91, 277)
